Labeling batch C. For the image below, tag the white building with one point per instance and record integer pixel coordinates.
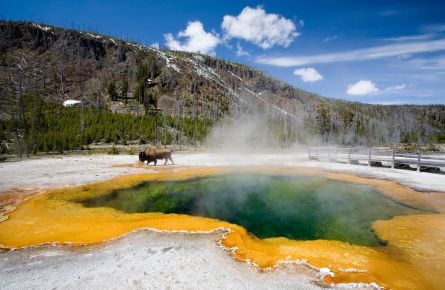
(71, 103)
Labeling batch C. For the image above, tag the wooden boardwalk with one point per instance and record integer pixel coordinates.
(422, 161)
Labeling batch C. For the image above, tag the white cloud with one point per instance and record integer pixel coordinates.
(196, 39)
(396, 88)
(362, 88)
(331, 38)
(388, 103)
(240, 51)
(263, 29)
(409, 38)
(376, 52)
(425, 95)
(434, 63)
(435, 28)
(308, 75)
(155, 45)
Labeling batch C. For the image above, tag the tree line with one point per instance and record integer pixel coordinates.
(51, 127)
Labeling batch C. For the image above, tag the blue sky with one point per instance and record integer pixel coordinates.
(386, 52)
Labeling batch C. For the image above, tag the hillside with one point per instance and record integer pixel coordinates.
(41, 63)
(82, 65)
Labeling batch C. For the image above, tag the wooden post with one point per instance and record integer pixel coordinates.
(393, 158)
(349, 155)
(418, 160)
(369, 157)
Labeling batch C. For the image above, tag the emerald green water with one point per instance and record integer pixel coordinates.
(296, 207)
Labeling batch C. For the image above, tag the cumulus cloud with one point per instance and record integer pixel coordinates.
(263, 29)
(396, 88)
(196, 39)
(308, 75)
(362, 88)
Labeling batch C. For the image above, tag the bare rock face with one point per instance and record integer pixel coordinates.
(90, 48)
(17, 35)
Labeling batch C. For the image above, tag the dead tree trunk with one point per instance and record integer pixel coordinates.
(17, 121)
(194, 121)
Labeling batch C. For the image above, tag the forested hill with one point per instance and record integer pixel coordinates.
(46, 65)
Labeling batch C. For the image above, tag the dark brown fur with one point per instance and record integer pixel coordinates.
(150, 155)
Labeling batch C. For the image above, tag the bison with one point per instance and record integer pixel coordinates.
(155, 154)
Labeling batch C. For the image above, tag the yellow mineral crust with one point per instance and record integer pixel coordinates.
(413, 259)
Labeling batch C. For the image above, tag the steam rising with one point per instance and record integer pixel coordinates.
(242, 134)
(256, 123)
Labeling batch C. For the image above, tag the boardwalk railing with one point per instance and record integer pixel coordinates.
(425, 161)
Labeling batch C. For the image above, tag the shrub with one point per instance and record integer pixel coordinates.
(113, 150)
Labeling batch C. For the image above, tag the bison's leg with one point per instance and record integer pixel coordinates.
(165, 160)
(171, 160)
(155, 161)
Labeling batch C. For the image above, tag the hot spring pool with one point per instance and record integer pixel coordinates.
(295, 207)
